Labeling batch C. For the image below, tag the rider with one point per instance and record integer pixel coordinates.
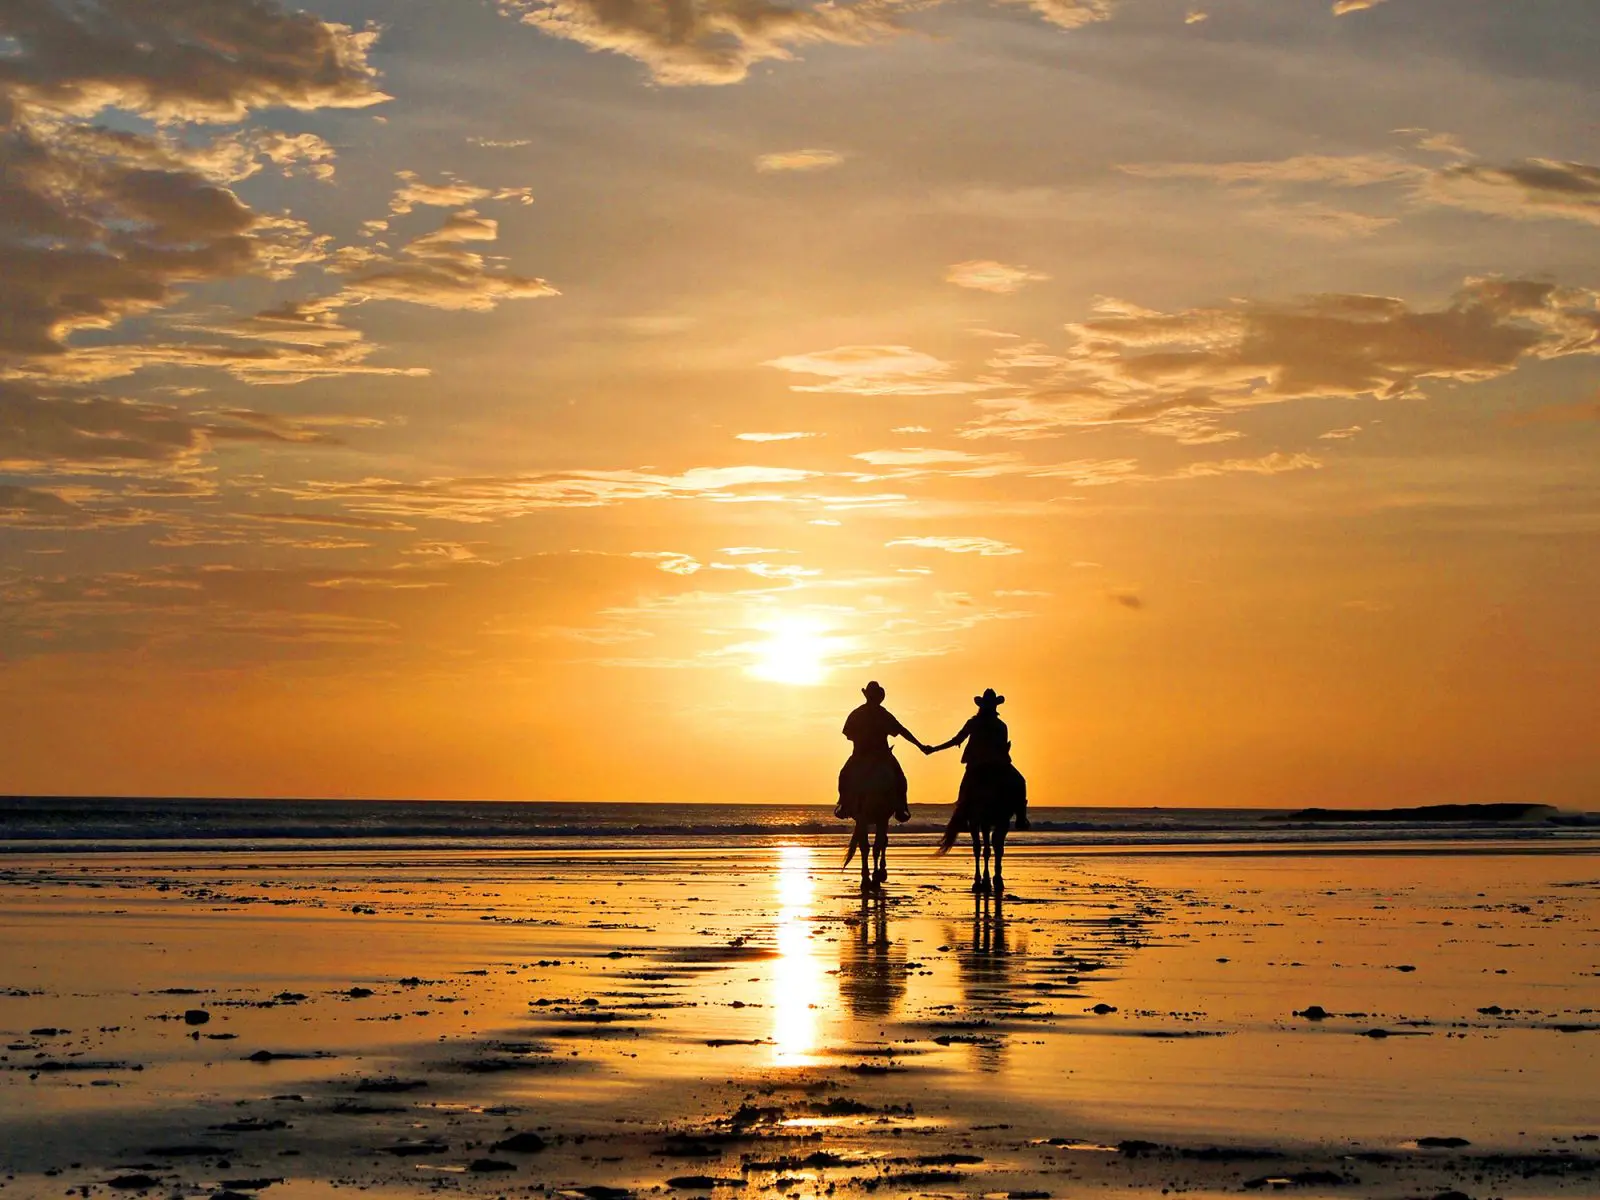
(869, 728)
(988, 758)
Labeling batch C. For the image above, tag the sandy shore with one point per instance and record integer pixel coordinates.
(301, 1025)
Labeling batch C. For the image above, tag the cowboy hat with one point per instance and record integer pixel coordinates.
(873, 688)
(988, 699)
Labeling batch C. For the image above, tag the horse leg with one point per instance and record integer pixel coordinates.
(880, 851)
(977, 884)
(987, 888)
(998, 834)
(866, 854)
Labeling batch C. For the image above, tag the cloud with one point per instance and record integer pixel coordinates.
(791, 436)
(1070, 14)
(451, 193)
(1341, 7)
(986, 547)
(442, 270)
(809, 159)
(336, 520)
(671, 562)
(1276, 463)
(63, 508)
(106, 218)
(181, 60)
(709, 41)
(495, 498)
(1177, 372)
(875, 371)
(1531, 189)
(912, 461)
(1340, 435)
(1534, 188)
(985, 275)
(1339, 170)
(1321, 220)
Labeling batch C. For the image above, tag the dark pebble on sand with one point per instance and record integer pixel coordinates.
(390, 1085)
(423, 1146)
(1314, 1012)
(1452, 1196)
(250, 1125)
(1442, 1143)
(599, 1191)
(359, 993)
(1103, 1009)
(484, 1166)
(699, 1182)
(1134, 1147)
(196, 1016)
(521, 1143)
(1301, 1179)
(133, 1182)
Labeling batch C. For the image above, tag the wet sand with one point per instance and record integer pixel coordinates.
(713, 1024)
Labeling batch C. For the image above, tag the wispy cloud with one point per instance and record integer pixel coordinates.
(876, 371)
(809, 159)
(986, 275)
(1177, 372)
(984, 546)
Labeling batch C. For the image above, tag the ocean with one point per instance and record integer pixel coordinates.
(115, 824)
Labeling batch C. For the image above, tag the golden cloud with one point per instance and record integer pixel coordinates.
(986, 275)
(799, 160)
(1175, 372)
(875, 371)
(709, 41)
(984, 546)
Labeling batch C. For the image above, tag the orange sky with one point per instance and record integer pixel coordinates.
(544, 401)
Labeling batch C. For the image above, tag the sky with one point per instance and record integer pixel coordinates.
(583, 399)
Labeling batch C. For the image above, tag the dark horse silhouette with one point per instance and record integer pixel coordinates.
(872, 784)
(992, 792)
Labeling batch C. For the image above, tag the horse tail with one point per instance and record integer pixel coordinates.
(858, 838)
(951, 832)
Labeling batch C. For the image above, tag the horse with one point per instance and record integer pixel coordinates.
(989, 795)
(877, 791)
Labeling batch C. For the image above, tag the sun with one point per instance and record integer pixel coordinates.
(795, 651)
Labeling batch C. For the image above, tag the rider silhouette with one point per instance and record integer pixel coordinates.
(988, 758)
(872, 765)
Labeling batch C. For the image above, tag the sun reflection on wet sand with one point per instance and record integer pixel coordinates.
(797, 975)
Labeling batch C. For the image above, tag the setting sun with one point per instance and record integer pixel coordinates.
(796, 651)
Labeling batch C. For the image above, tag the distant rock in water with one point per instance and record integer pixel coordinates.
(1441, 814)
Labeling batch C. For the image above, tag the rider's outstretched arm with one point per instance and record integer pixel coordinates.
(955, 741)
(902, 731)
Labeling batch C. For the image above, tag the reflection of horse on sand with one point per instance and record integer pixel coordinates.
(872, 969)
(984, 971)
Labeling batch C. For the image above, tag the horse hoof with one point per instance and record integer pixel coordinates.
(980, 888)
(881, 875)
(999, 886)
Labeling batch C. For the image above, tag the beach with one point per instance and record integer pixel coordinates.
(1389, 1018)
